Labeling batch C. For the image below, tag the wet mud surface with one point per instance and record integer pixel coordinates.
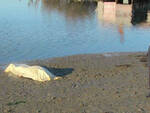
(90, 84)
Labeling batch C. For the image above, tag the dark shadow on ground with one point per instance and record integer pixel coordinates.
(60, 71)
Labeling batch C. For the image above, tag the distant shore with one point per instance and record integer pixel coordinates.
(94, 83)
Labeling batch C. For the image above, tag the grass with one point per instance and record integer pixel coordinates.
(15, 103)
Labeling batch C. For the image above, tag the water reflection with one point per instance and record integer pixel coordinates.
(120, 14)
(139, 11)
(121, 32)
(71, 10)
(33, 3)
(107, 12)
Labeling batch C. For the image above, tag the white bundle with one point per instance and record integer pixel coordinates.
(33, 72)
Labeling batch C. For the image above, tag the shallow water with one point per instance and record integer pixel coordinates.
(39, 29)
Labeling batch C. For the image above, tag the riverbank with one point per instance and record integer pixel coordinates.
(100, 83)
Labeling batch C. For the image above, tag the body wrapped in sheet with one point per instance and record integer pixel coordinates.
(33, 72)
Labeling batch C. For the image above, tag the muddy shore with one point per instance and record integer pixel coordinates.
(96, 83)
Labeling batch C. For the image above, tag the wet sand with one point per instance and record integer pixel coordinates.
(97, 83)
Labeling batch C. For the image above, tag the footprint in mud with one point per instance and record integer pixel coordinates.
(123, 66)
(142, 58)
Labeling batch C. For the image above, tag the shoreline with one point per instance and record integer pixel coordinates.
(91, 83)
(104, 53)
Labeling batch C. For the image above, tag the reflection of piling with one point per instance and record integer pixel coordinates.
(129, 14)
(111, 12)
(139, 11)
